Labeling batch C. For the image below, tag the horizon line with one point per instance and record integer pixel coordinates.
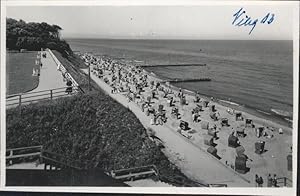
(165, 38)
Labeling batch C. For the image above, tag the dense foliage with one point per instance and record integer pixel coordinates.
(34, 36)
(92, 129)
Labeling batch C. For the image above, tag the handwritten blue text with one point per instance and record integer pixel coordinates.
(241, 19)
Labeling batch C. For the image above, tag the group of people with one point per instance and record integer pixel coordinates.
(271, 181)
(38, 63)
(136, 84)
(132, 81)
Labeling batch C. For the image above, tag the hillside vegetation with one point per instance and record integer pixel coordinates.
(92, 129)
(34, 36)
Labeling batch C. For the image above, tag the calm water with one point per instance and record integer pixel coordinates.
(254, 74)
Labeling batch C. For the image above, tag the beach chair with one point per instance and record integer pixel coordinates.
(183, 101)
(224, 122)
(238, 116)
(160, 108)
(230, 111)
(212, 132)
(199, 107)
(184, 125)
(212, 150)
(174, 113)
(259, 131)
(212, 108)
(240, 150)
(205, 103)
(248, 123)
(204, 125)
(208, 140)
(213, 116)
(240, 132)
(259, 147)
(240, 164)
(233, 141)
(197, 98)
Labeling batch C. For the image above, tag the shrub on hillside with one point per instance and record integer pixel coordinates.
(92, 129)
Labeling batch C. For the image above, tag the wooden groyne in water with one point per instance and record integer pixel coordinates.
(175, 80)
(173, 65)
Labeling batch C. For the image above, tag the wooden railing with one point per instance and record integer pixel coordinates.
(58, 160)
(63, 69)
(26, 98)
(135, 172)
(44, 156)
(217, 185)
(284, 181)
(15, 153)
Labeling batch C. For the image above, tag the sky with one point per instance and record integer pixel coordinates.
(160, 22)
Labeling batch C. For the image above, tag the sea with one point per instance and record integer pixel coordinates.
(256, 75)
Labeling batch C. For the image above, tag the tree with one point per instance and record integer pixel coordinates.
(34, 36)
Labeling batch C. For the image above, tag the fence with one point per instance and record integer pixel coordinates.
(284, 182)
(63, 69)
(46, 157)
(133, 173)
(15, 153)
(31, 97)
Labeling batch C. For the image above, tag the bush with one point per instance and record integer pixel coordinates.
(90, 127)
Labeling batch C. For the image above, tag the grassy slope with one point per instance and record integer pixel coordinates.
(73, 64)
(91, 128)
(19, 67)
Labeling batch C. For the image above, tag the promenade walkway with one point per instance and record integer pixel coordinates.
(192, 161)
(50, 78)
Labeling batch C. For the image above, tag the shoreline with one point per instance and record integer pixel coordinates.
(280, 120)
(252, 112)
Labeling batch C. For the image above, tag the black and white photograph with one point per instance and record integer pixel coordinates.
(168, 96)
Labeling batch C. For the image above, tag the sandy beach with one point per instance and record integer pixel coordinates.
(188, 148)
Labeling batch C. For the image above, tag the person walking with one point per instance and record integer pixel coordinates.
(275, 181)
(256, 180)
(270, 181)
(260, 182)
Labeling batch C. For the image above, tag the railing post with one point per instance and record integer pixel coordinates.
(51, 94)
(10, 154)
(20, 99)
(284, 181)
(89, 78)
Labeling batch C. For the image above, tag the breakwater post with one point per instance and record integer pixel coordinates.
(177, 80)
(173, 65)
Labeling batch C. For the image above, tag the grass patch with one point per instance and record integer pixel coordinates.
(19, 68)
(90, 128)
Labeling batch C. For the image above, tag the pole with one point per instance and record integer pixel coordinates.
(89, 78)
(51, 94)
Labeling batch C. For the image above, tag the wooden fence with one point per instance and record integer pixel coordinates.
(31, 97)
(135, 172)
